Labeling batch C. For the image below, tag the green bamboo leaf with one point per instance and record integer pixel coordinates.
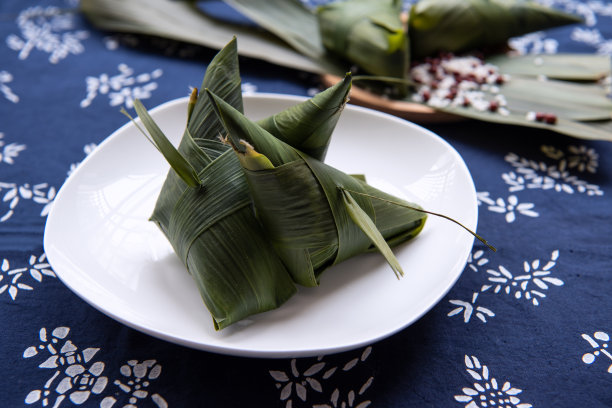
(569, 100)
(183, 21)
(366, 224)
(223, 77)
(598, 130)
(241, 128)
(289, 20)
(176, 160)
(368, 33)
(308, 126)
(569, 67)
(213, 229)
(294, 201)
(464, 25)
(297, 218)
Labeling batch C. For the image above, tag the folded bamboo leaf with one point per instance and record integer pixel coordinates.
(366, 224)
(460, 25)
(368, 33)
(300, 203)
(223, 73)
(223, 76)
(212, 228)
(570, 67)
(308, 126)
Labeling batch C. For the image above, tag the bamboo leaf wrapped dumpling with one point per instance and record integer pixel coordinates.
(211, 226)
(369, 33)
(300, 202)
(208, 217)
(463, 25)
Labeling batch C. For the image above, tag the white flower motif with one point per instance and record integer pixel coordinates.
(534, 43)
(476, 260)
(539, 175)
(468, 309)
(36, 193)
(300, 381)
(484, 197)
(85, 381)
(511, 207)
(47, 29)
(123, 88)
(599, 349)
(486, 391)
(138, 376)
(312, 377)
(535, 274)
(350, 400)
(9, 278)
(11, 285)
(5, 78)
(78, 381)
(515, 181)
(9, 151)
(583, 159)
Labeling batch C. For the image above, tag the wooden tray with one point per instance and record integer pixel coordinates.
(413, 112)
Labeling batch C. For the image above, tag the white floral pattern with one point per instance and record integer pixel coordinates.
(47, 29)
(76, 377)
(10, 278)
(9, 151)
(296, 386)
(556, 177)
(522, 286)
(600, 342)
(530, 285)
(510, 207)
(5, 78)
(560, 176)
(486, 390)
(12, 194)
(122, 88)
(591, 12)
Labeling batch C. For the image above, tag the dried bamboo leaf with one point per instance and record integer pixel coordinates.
(181, 20)
(289, 20)
(570, 67)
(569, 100)
(581, 130)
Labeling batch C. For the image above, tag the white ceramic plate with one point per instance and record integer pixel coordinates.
(102, 246)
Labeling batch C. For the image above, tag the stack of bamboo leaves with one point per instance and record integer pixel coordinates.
(250, 207)
(382, 38)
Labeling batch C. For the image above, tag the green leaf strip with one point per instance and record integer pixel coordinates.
(176, 160)
(369, 228)
(198, 209)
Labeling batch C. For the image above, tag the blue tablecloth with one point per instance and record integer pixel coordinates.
(528, 326)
